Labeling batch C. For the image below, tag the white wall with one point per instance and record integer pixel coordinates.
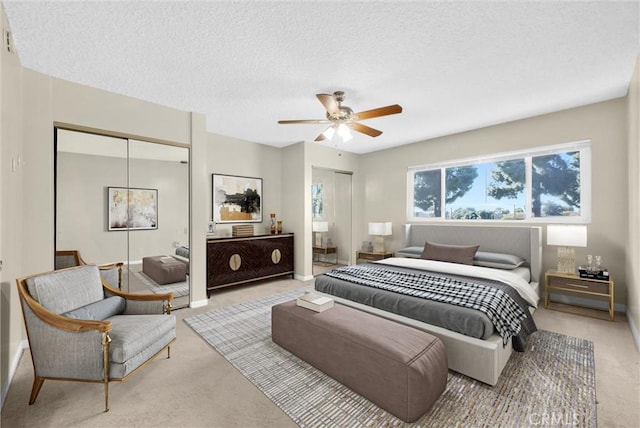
(11, 223)
(633, 248)
(227, 155)
(384, 175)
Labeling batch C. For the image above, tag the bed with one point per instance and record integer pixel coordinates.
(482, 353)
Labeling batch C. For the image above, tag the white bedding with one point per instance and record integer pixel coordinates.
(508, 277)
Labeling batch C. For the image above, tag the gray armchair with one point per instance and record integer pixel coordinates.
(112, 272)
(79, 328)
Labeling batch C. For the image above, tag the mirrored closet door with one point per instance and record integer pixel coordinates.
(124, 200)
(331, 199)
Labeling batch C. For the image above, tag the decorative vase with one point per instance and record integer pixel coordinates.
(273, 224)
(279, 227)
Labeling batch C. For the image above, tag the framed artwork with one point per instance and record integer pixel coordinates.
(132, 209)
(236, 199)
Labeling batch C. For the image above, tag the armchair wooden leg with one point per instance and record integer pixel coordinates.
(168, 352)
(105, 348)
(37, 384)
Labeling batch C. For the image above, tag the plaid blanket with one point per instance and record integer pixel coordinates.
(500, 303)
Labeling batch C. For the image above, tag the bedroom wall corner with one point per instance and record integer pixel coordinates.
(633, 245)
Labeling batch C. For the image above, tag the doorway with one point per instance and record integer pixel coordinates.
(331, 199)
(124, 200)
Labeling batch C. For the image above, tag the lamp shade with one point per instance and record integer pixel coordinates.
(567, 235)
(320, 226)
(381, 229)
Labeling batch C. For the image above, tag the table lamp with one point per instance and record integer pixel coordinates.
(319, 227)
(566, 237)
(380, 230)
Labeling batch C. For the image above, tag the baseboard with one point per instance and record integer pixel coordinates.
(198, 303)
(24, 344)
(634, 330)
(303, 277)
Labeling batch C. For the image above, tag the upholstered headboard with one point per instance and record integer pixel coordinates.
(523, 241)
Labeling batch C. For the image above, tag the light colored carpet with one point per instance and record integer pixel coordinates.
(178, 289)
(552, 383)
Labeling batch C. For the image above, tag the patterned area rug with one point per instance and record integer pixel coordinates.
(551, 384)
(178, 289)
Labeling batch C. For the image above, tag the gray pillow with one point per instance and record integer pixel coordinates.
(410, 252)
(497, 260)
(462, 254)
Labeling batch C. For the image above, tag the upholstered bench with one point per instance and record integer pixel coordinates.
(401, 369)
(164, 269)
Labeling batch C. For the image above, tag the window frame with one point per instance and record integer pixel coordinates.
(582, 146)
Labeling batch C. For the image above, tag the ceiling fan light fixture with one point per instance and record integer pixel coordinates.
(329, 132)
(343, 119)
(344, 133)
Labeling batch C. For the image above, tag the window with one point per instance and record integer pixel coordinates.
(549, 184)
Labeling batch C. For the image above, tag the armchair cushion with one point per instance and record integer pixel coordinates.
(133, 333)
(100, 310)
(64, 290)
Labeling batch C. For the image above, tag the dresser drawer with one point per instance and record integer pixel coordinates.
(578, 284)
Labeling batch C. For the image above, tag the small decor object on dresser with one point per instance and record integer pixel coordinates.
(242, 230)
(315, 302)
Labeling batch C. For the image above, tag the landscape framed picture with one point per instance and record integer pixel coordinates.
(132, 208)
(236, 199)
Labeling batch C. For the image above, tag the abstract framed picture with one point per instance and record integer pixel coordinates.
(236, 199)
(132, 208)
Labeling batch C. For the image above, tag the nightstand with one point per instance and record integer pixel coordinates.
(587, 287)
(369, 256)
(326, 251)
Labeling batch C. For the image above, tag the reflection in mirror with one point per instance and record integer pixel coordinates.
(85, 165)
(159, 254)
(121, 200)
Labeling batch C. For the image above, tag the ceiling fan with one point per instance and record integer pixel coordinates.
(342, 118)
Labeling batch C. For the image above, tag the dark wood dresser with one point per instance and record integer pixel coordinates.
(239, 260)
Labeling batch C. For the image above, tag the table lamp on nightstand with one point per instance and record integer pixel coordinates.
(319, 228)
(566, 237)
(380, 230)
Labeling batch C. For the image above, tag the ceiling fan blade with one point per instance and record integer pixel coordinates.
(372, 132)
(289, 122)
(329, 103)
(377, 112)
(321, 137)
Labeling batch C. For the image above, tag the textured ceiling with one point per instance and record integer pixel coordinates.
(453, 66)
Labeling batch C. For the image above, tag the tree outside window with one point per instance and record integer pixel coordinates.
(498, 190)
